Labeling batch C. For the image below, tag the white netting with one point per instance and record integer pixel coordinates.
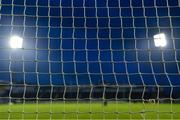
(78, 54)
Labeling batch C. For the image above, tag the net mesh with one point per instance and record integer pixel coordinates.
(91, 59)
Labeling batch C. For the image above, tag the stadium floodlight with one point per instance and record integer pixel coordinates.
(160, 40)
(16, 42)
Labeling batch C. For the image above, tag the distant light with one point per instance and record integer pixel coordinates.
(16, 42)
(160, 40)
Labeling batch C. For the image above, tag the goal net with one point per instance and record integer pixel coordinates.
(90, 59)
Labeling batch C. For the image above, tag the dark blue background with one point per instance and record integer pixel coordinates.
(83, 42)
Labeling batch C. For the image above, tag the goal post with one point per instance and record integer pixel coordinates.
(89, 59)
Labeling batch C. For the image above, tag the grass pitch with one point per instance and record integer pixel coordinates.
(96, 110)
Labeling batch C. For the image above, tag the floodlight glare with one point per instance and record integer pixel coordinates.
(16, 42)
(160, 40)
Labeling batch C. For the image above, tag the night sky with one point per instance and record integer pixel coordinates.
(83, 42)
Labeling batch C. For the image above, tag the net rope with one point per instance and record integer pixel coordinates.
(85, 52)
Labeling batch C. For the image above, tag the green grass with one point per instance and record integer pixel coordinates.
(94, 110)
